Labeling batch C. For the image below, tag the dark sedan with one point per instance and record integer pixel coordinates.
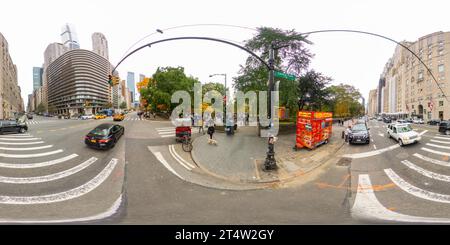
(104, 136)
(434, 122)
(12, 126)
(359, 134)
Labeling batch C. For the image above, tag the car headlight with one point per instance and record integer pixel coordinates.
(405, 138)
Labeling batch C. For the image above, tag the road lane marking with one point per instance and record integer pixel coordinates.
(180, 158)
(37, 165)
(50, 177)
(12, 139)
(432, 160)
(374, 147)
(425, 172)
(371, 140)
(103, 215)
(30, 155)
(442, 142)
(380, 134)
(167, 136)
(443, 135)
(439, 146)
(415, 191)
(16, 135)
(161, 159)
(422, 133)
(165, 128)
(25, 143)
(66, 195)
(442, 138)
(27, 148)
(436, 152)
(367, 207)
(371, 153)
(168, 132)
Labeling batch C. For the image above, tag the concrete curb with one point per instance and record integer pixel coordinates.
(265, 182)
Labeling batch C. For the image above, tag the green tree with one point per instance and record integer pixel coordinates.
(213, 86)
(123, 105)
(343, 99)
(51, 108)
(312, 92)
(108, 105)
(293, 59)
(41, 108)
(166, 81)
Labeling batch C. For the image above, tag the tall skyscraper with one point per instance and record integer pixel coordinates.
(131, 85)
(100, 45)
(69, 37)
(37, 77)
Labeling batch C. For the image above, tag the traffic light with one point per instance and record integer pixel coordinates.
(110, 80)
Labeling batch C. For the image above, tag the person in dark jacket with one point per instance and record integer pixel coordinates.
(211, 130)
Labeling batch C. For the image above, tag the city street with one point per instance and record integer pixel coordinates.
(49, 175)
(401, 184)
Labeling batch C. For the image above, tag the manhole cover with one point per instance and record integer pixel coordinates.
(345, 161)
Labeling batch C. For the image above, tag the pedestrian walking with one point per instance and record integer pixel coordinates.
(211, 130)
(347, 132)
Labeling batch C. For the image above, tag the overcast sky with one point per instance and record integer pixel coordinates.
(29, 26)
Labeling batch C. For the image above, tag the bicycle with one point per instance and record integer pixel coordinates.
(186, 142)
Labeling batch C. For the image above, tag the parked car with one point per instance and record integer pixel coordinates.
(118, 117)
(379, 119)
(444, 127)
(359, 134)
(86, 117)
(12, 126)
(403, 134)
(434, 122)
(418, 121)
(409, 120)
(30, 116)
(104, 136)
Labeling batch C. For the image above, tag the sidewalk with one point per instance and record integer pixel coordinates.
(240, 158)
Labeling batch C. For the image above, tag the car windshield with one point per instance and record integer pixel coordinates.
(100, 131)
(404, 129)
(359, 127)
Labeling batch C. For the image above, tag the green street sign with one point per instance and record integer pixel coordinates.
(284, 75)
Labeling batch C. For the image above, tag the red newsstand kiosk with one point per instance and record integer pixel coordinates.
(313, 128)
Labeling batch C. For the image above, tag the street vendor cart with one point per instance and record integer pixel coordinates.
(313, 129)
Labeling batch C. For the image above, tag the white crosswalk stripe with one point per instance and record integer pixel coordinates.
(425, 172)
(439, 146)
(166, 132)
(415, 191)
(432, 160)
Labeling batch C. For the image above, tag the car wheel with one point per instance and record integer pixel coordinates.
(114, 143)
(400, 142)
(22, 130)
(447, 132)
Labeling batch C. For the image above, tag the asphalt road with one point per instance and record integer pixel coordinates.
(402, 184)
(54, 177)
(49, 175)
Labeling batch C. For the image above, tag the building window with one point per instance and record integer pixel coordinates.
(420, 76)
(441, 103)
(441, 68)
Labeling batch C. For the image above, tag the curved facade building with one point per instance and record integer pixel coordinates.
(77, 83)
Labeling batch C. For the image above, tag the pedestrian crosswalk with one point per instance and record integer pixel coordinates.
(421, 176)
(166, 132)
(27, 162)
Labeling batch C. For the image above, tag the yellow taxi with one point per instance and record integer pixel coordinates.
(118, 117)
(100, 116)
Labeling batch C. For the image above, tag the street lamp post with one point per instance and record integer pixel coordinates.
(226, 95)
